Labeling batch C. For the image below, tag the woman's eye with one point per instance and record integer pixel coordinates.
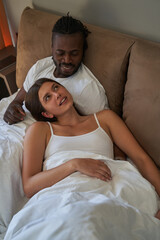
(55, 87)
(47, 98)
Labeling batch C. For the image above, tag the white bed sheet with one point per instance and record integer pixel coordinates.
(11, 148)
(81, 207)
(118, 210)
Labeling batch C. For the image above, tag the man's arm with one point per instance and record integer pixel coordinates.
(15, 112)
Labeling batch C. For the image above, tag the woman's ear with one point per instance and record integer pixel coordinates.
(47, 115)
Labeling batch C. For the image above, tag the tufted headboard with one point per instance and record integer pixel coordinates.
(107, 55)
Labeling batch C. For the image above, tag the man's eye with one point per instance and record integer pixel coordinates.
(75, 53)
(60, 53)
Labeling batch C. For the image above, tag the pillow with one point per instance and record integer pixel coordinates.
(107, 55)
(34, 40)
(141, 108)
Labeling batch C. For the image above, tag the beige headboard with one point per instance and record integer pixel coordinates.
(127, 67)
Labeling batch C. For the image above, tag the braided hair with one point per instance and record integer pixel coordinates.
(70, 25)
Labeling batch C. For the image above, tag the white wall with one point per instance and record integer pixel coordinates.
(136, 17)
(14, 10)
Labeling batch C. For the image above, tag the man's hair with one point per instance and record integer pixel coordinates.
(70, 25)
(33, 103)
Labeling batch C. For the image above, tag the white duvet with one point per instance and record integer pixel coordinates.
(78, 207)
(11, 149)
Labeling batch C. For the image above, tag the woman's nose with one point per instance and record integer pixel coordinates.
(57, 94)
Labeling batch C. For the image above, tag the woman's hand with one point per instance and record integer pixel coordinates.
(92, 168)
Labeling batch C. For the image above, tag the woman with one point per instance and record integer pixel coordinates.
(49, 101)
(79, 191)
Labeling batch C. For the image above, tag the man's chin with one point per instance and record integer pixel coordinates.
(62, 72)
(68, 73)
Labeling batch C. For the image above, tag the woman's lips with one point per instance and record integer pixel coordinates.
(63, 100)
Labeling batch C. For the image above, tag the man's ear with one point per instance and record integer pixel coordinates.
(47, 115)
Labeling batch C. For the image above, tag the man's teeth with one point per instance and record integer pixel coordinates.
(67, 67)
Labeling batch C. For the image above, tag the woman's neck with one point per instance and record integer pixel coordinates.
(70, 118)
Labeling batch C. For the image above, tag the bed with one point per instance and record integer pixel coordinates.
(11, 149)
(79, 207)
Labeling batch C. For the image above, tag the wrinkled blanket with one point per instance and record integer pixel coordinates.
(80, 207)
(12, 198)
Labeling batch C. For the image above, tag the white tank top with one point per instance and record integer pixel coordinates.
(97, 142)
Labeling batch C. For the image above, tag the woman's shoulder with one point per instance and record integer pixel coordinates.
(105, 113)
(107, 116)
(38, 127)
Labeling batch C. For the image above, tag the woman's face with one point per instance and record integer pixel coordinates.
(55, 99)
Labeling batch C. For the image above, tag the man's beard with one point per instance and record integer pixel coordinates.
(63, 73)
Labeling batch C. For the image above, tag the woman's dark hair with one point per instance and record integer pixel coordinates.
(33, 104)
(70, 25)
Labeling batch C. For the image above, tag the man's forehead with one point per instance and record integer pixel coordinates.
(60, 39)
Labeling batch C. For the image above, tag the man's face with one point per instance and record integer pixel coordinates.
(67, 53)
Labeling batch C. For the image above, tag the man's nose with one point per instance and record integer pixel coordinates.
(67, 58)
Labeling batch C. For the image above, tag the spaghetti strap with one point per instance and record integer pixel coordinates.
(50, 128)
(96, 120)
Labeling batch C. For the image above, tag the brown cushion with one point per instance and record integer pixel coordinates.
(141, 109)
(107, 55)
(34, 40)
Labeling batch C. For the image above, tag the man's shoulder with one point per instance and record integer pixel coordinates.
(85, 71)
(38, 70)
(42, 64)
(88, 76)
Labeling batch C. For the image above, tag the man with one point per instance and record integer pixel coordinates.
(65, 66)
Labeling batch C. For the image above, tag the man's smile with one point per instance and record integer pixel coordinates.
(67, 66)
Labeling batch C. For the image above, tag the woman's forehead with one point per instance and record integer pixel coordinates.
(45, 87)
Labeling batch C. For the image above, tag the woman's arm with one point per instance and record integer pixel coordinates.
(33, 176)
(124, 139)
(34, 179)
